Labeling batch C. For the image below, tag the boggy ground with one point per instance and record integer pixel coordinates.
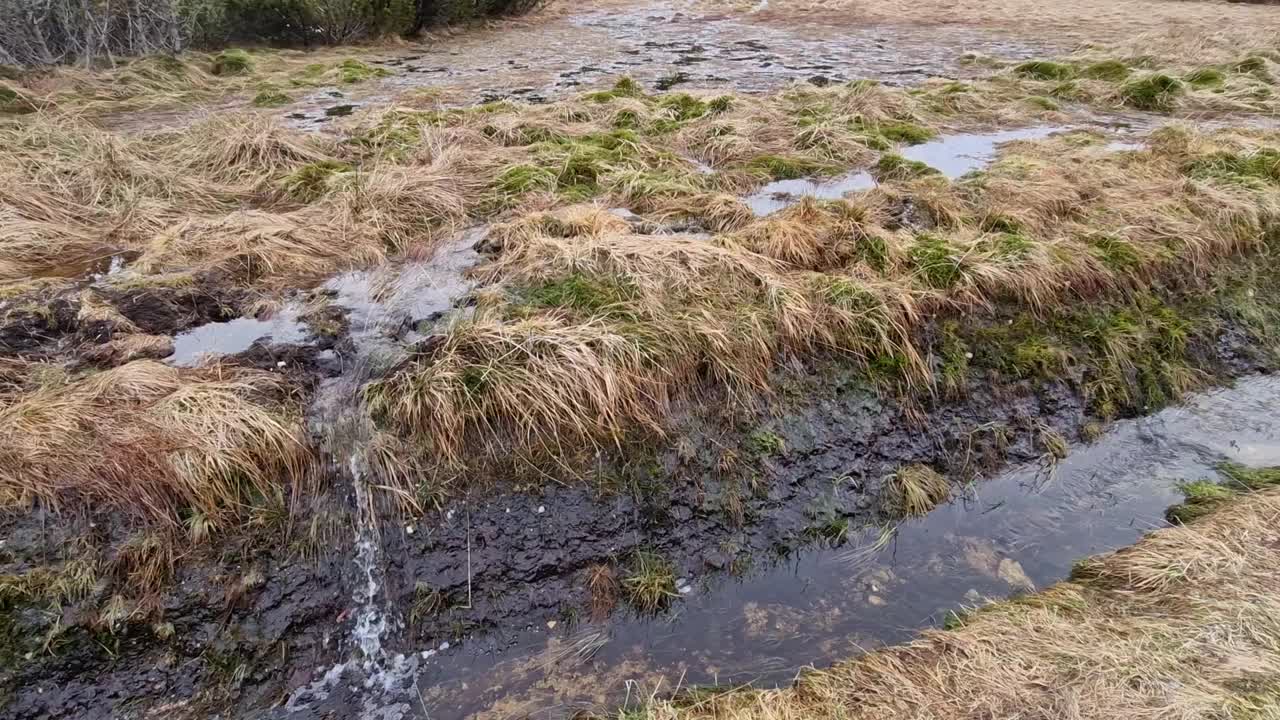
(1180, 624)
(156, 514)
(743, 47)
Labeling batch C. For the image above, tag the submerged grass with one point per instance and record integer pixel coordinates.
(1179, 625)
(650, 582)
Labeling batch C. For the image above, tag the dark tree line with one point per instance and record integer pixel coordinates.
(49, 32)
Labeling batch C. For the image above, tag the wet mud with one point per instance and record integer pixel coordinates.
(485, 608)
(667, 45)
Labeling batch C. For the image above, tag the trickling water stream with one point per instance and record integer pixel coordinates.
(379, 305)
(1020, 531)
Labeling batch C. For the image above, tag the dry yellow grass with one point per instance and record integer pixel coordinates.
(156, 442)
(1181, 625)
(206, 198)
(588, 331)
(915, 490)
(401, 178)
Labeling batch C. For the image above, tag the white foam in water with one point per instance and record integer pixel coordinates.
(377, 303)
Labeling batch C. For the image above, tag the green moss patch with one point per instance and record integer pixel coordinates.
(1045, 70)
(269, 97)
(1152, 92)
(233, 61)
(1109, 70)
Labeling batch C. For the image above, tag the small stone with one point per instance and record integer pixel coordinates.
(972, 596)
(280, 364)
(551, 624)
(685, 589)
(408, 529)
(542, 509)
(875, 600)
(444, 646)
(968, 356)
(1011, 571)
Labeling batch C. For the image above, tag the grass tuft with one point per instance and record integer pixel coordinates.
(895, 167)
(915, 490)
(1156, 91)
(270, 96)
(1045, 70)
(650, 582)
(155, 442)
(314, 180)
(1109, 70)
(232, 61)
(352, 71)
(1205, 77)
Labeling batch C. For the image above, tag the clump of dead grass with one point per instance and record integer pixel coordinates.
(155, 442)
(1179, 625)
(590, 330)
(915, 490)
(255, 245)
(604, 329)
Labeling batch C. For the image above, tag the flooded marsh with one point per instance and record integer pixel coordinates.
(605, 358)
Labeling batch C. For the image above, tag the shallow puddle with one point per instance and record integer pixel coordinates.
(666, 46)
(1020, 531)
(952, 155)
(192, 347)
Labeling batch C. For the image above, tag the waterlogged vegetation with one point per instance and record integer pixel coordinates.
(1157, 610)
(590, 334)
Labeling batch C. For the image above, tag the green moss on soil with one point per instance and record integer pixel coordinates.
(1156, 92)
(1045, 70)
(1109, 70)
(232, 61)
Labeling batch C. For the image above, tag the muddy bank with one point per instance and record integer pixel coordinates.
(751, 47)
(495, 589)
(483, 599)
